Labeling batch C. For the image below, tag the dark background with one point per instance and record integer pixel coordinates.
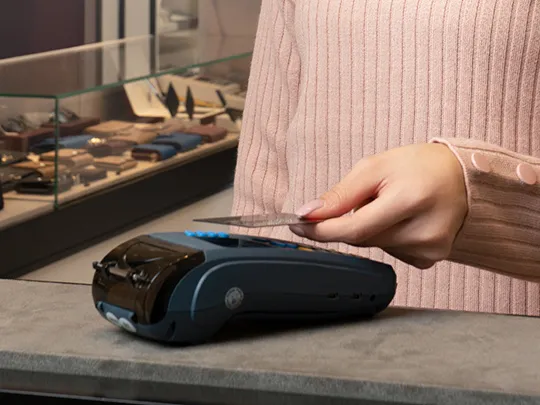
(32, 26)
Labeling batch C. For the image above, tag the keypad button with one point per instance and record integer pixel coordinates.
(189, 233)
(222, 235)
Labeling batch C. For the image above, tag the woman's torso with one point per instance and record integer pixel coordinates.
(377, 74)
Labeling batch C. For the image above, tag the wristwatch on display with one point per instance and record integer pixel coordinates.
(209, 133)
(92, 173)
(153, 153)
(72, 158)
(37, 184)
(180, 141)
(116, 164)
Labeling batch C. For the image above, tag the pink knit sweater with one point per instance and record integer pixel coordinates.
(333, 81)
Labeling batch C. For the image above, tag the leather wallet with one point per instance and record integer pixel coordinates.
(115, 163)
(69, 142)
(72, 125)
(45, 169)
(109, 128)
(36, 184)
(9, 158)
(137, 136)
(92, 173)
(24, 141)
(10, 175)
(209, 133)
(180, 141)
(72, 158)
(171, 126)
(153, 153)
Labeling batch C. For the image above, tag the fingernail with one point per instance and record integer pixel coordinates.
(297, 230)
(309, 208)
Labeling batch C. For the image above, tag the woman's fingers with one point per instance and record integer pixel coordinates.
(367, 222)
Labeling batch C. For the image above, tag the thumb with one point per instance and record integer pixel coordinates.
(354, 190)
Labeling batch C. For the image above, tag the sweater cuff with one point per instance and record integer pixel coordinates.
(501, 231)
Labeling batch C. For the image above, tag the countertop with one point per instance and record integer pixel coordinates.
(54, 341)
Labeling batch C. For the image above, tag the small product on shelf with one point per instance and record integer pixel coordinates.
(72, 158)
(180, 141)
(9, 176)
(92, 173)
(109, 128)
(20, 135)
(140, 134)
(70, 123)
(153, 152)
(209, 133)
(116, 164)
(40, 185)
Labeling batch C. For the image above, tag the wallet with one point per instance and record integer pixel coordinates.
(180, 141)
(45, 169)
(153, 153)
(209, 133)
(36, 184)
(72, 158)
(24, 141)
(137, 136)
(92, 173)
(69, 142)
(10, 175)
(171, 126)
(109, 128)
(9, 158)
(115, 163)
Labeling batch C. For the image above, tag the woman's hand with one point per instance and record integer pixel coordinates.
(410, 201)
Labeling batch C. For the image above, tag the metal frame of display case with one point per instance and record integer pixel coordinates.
(76, 223)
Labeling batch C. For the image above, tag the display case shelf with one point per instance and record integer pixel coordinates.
(174, 116)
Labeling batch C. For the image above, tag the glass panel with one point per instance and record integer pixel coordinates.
(90, 68)
(27, 181)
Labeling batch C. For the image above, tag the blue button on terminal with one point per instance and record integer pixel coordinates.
(189, 233)
(223, 235)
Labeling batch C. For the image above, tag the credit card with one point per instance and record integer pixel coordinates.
(259, 221)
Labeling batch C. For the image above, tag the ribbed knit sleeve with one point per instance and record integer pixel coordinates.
(502, 229)
(261, 180)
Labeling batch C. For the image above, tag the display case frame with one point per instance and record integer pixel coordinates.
(62, 220)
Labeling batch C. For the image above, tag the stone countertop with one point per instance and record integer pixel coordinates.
(54, 341)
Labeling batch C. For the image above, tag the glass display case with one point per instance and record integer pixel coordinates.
(97, 138)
